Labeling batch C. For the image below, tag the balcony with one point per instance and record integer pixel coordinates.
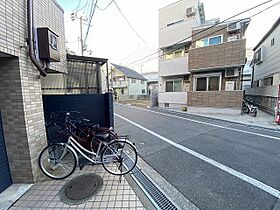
(177, 66)
(228, 54)
(120, 84)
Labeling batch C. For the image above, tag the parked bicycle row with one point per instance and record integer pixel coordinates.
(74, 139)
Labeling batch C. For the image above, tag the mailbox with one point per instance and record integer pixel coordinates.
(48, 45)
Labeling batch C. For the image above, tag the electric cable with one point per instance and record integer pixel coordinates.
(203, 36)
(247, 10)
(128, 23)
(103, 9)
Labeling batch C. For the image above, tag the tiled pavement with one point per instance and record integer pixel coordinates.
(113, 195)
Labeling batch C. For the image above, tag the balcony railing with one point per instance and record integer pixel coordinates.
(222, 55)
(177, 66)
(120, 84)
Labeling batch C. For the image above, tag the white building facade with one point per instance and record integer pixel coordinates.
(175, 29)
(266, 69)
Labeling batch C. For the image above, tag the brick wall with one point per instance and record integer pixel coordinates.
(226, 54)
(20, 86)
(225, 99)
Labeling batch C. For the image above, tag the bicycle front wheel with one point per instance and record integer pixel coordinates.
(119, 157)
(57, 161)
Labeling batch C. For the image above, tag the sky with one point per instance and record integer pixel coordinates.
(111, 37)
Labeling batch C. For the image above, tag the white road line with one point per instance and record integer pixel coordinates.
(205, 123)
(227, 169)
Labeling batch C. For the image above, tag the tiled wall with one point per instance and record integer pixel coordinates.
(20, 86)
(221, 55)
(224, 99)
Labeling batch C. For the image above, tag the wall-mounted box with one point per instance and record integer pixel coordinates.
(48, 45)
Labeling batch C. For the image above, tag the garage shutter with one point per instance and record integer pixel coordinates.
(5, 176)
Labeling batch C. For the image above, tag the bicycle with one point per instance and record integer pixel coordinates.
(59, 160)
(248, 107)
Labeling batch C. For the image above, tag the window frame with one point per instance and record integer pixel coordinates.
(207, 41)
(132, 80)
(207, 80)
(174, 80)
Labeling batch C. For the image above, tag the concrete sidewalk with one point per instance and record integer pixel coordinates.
(262, 119)
(113, 195)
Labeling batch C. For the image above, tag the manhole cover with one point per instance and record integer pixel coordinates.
(80, 189)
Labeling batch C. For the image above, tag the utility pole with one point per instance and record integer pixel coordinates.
(81, 35)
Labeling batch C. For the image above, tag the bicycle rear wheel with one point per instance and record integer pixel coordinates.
(119, 157)
(57, 161)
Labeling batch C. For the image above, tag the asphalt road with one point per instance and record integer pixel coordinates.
(213, 163)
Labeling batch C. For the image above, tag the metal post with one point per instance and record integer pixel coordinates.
(81, 34)
(107, 78)
(98, 79)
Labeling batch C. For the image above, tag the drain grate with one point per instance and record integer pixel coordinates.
(159, 199)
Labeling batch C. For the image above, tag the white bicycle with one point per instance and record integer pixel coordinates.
(60, 160)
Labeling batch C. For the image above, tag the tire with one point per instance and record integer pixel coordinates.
(245, 110)
(123, 157)
(54, 165)
(254, 112)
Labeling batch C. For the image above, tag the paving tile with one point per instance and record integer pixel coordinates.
(113, 195)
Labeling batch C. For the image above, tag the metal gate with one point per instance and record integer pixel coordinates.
(5, 175)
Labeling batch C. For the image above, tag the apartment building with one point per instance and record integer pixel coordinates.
(127, 83)
(175, 29)
(22, 128)
(266, 70)
(216, 61)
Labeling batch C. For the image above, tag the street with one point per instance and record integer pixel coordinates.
(215, 164)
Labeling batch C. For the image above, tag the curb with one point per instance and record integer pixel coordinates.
(223, 120)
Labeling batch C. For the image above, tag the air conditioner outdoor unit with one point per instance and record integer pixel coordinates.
(231, 72)
(233, 38)
(190, 11)
(233, 26)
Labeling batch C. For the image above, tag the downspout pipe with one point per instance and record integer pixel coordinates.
(42, 69)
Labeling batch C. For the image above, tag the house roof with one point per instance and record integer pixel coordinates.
(78, 58)
(129, 72)
(268, 33)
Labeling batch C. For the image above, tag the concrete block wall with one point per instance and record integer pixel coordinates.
(224, 99)
(20, 86)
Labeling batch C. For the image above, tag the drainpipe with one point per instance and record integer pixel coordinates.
(41, 68)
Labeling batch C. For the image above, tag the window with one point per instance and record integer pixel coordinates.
(272, 41)
(174, 54)
(174, 86)
(214, 83)
(122, 91)
(133, 80)
(215, 40)
(142, 82)
(53, 41)
(201, 84)
(258, 56)
(207, 82)
(267, 81)
(173, 23)
(143, 91)
(209, 41)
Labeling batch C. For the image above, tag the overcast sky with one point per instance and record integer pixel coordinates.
(110, 37)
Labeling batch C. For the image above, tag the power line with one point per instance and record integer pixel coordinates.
(129, 22)
(211, 33)
(247, 10)
(92, 11)
(103, 9)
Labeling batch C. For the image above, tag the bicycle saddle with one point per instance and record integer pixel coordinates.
(103, 136)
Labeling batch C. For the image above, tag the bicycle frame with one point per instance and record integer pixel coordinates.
(75, 147)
